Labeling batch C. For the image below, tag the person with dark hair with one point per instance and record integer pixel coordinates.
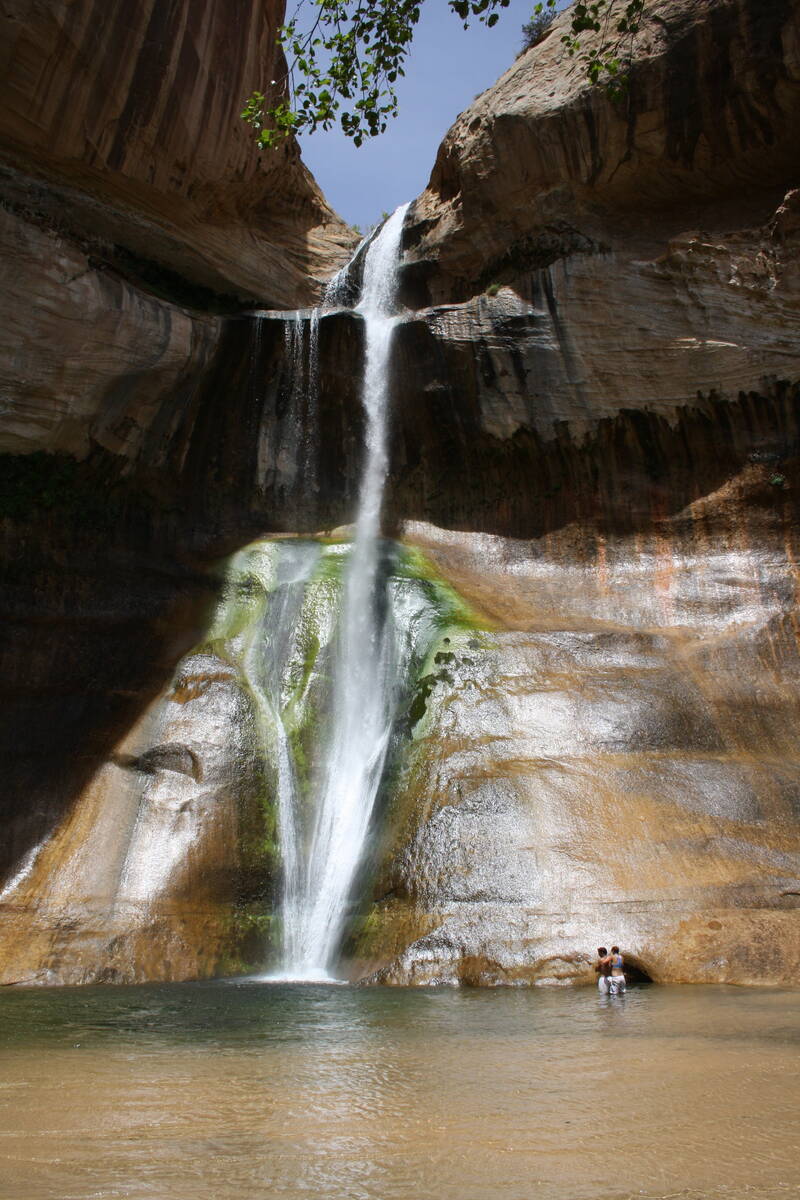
(616, 982)
(603, 969)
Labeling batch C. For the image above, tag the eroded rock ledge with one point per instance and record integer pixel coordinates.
(544, 167)
(120, 127)
(596, 441)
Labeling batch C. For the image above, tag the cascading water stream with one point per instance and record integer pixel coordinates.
(315, 904)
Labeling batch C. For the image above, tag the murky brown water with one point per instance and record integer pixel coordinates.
(248, 1091)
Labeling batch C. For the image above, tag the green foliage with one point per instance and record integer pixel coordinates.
(534, 30)
(249, 931)
(608, 59)
(344, 70)
(451, 612)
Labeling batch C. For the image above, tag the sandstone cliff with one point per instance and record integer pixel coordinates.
(136, 220)
(595, 443)
(136, 206)
(120, 126)
(544, 167)
(600, 389)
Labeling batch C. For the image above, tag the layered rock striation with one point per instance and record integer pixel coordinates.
(139, 440)
(545, 167)
(597, 406)
(120, 127)
(136, 207)
(594, 442)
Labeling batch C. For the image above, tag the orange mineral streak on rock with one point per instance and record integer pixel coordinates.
(609, 764)
(600, 454)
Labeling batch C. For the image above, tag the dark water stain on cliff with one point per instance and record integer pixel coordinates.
(632, 469)
(109, 575)
(703, 97)
(152, 65)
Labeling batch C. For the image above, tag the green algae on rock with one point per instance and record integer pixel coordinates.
(188, 861)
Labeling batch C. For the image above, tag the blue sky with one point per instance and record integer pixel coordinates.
(447, 67)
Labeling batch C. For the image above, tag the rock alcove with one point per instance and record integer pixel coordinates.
(593, 476)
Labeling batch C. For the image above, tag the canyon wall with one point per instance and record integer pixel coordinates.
(138, 442)
(120, 128)
(594, 443)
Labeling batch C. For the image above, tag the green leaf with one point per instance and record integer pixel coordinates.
(352, 58)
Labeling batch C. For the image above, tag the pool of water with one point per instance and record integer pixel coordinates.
(245, 1090)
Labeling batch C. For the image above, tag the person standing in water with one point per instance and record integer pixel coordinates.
(603, 969)
(616, 982)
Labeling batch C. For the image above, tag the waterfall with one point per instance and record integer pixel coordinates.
(365, 669)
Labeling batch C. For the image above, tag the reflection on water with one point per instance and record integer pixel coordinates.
(240, 1090)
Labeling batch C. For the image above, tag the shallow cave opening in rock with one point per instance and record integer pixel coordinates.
(635, 973)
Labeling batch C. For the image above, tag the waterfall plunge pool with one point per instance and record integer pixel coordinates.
(238, 1090)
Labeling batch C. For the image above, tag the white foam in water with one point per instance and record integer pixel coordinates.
(309, 976)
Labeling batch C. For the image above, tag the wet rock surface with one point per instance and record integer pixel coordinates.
(599, 390)
(144, 877)
(594, 441)
(616, 764)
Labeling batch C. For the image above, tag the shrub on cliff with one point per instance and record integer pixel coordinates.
(533, 31)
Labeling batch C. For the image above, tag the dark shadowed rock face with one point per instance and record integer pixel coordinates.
(144, 434)
(554, 366)
(111, 575)
(595, 441)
